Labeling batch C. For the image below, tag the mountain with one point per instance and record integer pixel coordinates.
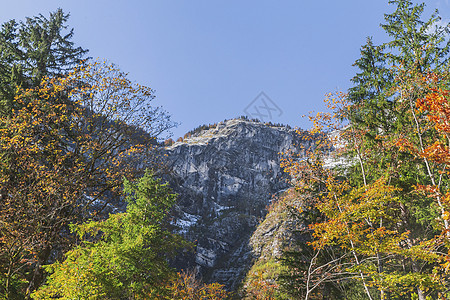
(226, 175)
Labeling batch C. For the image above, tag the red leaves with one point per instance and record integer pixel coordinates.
(404, 144)
(436, 105)
(437, 152)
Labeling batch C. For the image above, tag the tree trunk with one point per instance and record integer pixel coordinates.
(38, 274)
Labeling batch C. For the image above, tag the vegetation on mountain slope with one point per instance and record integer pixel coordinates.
(370, 220)
(378, 217)
(70, 132)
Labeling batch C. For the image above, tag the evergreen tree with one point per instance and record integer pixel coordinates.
(384, 95)
(422, 46)
(380, 197)
(32, 49)
(416, 44)
(128, 258)
(382, 112)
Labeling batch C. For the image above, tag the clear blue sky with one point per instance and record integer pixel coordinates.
(208, 60)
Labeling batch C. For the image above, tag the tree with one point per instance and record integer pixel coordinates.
(419, 45)
(33, 49)
(64, 155)
(433, 115)
(185, 286)
(29, 51)
(357, 227)
(123, 257)
(261, 281)
(382, 114)
(313, 271)
(416, 48)
(378, 212)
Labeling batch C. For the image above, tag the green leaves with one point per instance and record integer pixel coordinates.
(123, 256)
(389, 207)
(420, 45)
(33, 49)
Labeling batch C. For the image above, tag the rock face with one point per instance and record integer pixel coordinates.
(226, 176)
(279, 228)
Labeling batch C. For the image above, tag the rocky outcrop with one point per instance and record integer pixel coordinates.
(226, 176)
(279, 229)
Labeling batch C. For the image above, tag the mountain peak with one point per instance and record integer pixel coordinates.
(203, 134)
(226, 175)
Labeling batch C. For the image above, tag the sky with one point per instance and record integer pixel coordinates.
(210, 60)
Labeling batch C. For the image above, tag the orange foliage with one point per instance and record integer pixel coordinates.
(185, 286)
(66, 148)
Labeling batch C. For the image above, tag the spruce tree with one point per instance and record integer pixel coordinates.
(129, 257)
(33, 49)
(383, 110)
(380, 110)
(422, 45)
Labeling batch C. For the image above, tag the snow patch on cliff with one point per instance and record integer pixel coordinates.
(186, 221)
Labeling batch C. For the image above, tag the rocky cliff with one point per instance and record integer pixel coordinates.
(226, 175)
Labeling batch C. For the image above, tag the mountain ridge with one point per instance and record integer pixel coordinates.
(225, 177)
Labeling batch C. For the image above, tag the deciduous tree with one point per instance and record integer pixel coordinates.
(64, 154)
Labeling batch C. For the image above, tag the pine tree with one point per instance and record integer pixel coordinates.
(33, 49)
(398, 226)
(383, 111)
(129, 259)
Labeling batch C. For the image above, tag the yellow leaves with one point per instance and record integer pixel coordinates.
(185, 285)
(328, 121)
(404, 144)
(446, 215)
(354, 218)
(66, 145)
(437, 152)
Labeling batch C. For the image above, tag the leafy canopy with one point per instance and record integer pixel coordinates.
(125, 256)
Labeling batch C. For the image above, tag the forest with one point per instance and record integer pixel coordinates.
(77, 136)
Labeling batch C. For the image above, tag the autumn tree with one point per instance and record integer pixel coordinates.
(357, 233)
(372, 206)
(323, 264)
(432, 115)
(186, 286)
(383, 113)
(378, 110)
(64, 155)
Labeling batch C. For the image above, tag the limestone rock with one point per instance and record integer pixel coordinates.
(226, 176)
